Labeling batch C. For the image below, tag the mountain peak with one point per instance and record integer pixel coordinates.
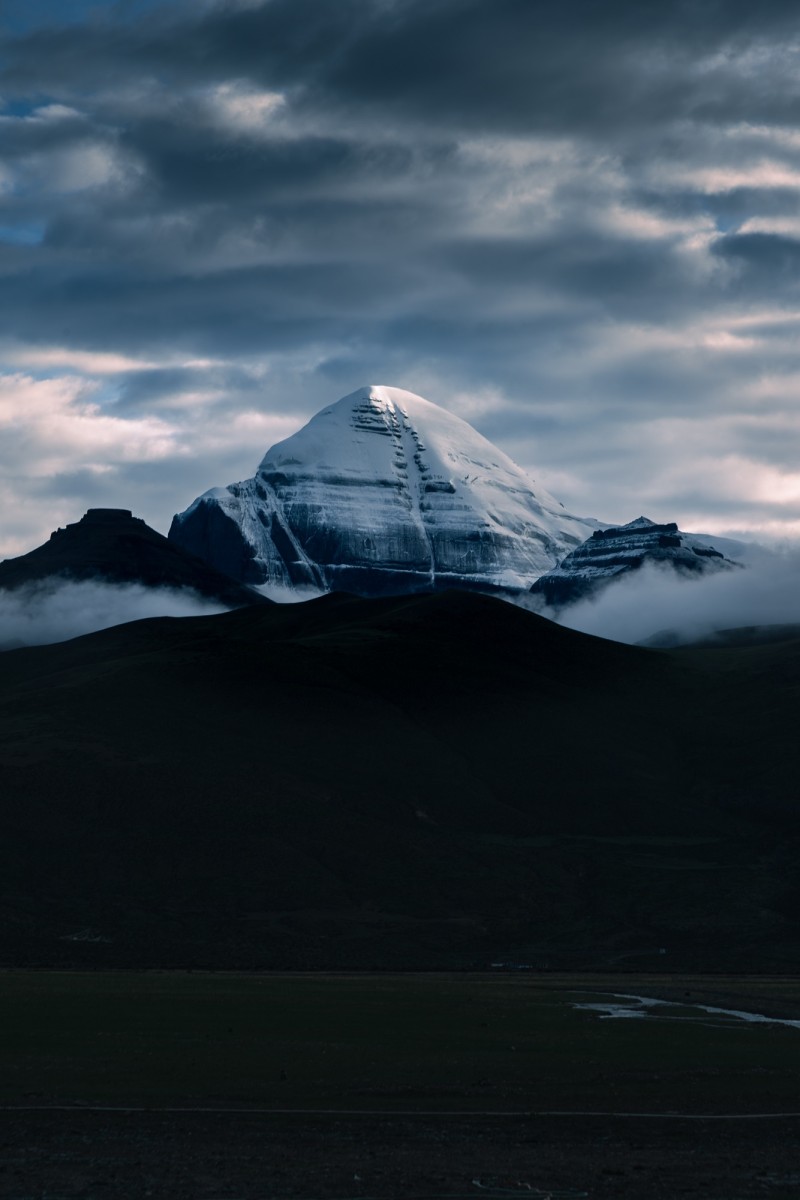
(382, 492)
(639, 523)
(382, 393)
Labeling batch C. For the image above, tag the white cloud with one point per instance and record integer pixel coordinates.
(777, 134)
(45, 113)
(641, 224)
(242, 108)
(59, 428)
(762, 173)
(81, 167)
(54, 112)
(783, 226)
(76, 167)
(89, 362)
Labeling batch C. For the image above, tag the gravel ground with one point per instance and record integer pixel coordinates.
(244, 1156)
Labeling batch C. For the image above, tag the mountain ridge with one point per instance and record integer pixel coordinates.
(610, 553)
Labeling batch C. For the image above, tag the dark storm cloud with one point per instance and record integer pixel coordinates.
(249, 308)
(138, 388)
(195, 166)
(34, 14)
(511, 64)
(36, 135)
(280, 42)
(766, 254)
(621, 276)
(519, 65)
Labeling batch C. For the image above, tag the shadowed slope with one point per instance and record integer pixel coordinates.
(435, 780)
(112, 546)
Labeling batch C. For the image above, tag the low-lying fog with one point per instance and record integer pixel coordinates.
(645, 603)
(654, 600)
(55, 610)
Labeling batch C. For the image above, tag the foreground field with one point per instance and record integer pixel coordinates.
(216, 1085)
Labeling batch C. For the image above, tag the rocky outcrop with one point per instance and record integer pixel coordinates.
(113, 546)
(611, 553)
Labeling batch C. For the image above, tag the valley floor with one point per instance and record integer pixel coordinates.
(219, 1086)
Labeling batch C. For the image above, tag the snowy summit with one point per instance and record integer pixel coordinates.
(382, 492)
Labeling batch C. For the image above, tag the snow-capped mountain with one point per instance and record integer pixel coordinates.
(610, 553)
(382, 492)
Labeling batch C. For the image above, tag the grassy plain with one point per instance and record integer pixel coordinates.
(388, 1085)
(432, 1042)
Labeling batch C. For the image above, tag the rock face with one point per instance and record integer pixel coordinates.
(610, 553)
(382, 492)
(112, 545)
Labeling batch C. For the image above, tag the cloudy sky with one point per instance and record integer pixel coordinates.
(574, 224)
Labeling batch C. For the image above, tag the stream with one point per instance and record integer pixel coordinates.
(623, 1006)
